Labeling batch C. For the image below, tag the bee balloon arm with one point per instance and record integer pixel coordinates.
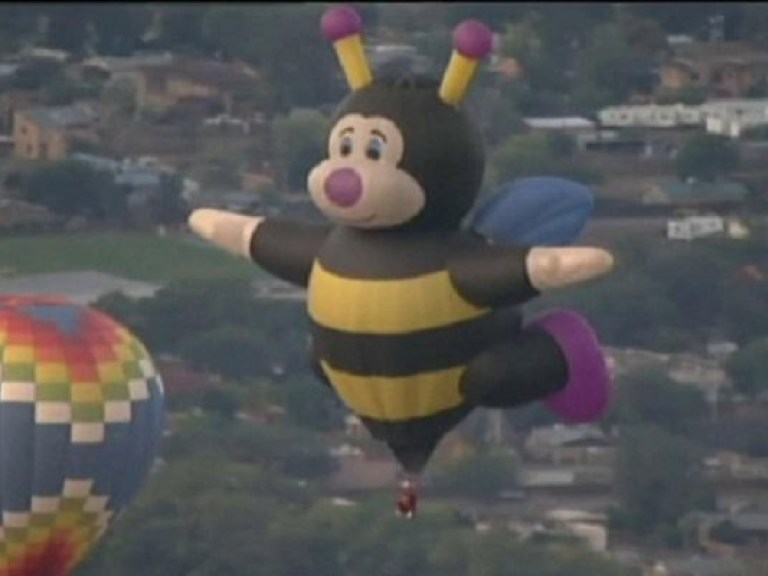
(285, 249)
(227, 230)
(549, 268)
(492, 275)
(288, 249)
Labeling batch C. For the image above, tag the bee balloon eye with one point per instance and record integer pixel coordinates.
(375, 148)
(346, 146)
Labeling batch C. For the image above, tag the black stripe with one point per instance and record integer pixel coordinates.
(416, 352)
(383, 255)
(412, 441)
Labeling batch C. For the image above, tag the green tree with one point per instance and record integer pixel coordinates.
(728, 533)
(627, 307)
(754, 23)
(235, 353)
(181, 27)
(706, 157)
(697, 289)
(297, 64)
(300, 141)
(649, 396)
(114, 204)
(18, 23)
(609, 70)
(223, 402)
(119, 98)
(645, 36)
(220, 168)
(68, 27)
(482, 474)
(300, 547)
(383, 545)
(748, 367)
(308, 402)
(123, 308)
(219, 324)
(203, 516)
(35, 74)
(119, 28)
(680, 17)
(495, 14)
(68, 188)
(537, 154)
(168, 316)
(745, 311)
(169, 206)
(691, 95)
(283, 449)
(61, 90)
(521, 41)
(658, 479)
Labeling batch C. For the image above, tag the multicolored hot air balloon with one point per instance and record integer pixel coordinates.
(81, 413)
(416, 319)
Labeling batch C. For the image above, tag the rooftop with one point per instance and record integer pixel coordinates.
(126, 172)
(117, 64)
(748, 521)
(83, 287)
(720, 190)
(702, 566)
(560, 435)
(58, 117)
(701, 53)
(559, 123)
(209, 72)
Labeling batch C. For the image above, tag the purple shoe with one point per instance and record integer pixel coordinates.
(587, 394)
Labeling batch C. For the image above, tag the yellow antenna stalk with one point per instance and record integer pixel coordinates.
(472, 41)
(342, 26)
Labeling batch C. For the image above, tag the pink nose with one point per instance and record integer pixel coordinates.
(344, 187)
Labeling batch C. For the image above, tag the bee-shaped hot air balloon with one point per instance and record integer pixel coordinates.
(415, 319)
(81, 414)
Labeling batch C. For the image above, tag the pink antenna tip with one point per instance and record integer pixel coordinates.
(338, 23)
(473, 39)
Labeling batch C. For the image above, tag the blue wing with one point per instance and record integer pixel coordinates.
(542, 211)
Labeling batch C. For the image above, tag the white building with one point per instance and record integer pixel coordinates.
(589, 527)
(565, 123)
(732, 117)
(727, 117)
(651, 116)
(582, 130)
(693, 227)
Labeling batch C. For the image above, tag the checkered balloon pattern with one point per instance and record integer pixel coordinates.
(81, 415)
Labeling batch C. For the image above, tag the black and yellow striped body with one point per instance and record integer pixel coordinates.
(406, 325)
(392, 333)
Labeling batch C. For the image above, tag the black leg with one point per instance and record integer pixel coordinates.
(529, 367)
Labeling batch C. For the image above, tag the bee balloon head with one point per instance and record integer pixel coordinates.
(402, 151)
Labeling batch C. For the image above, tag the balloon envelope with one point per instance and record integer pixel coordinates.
(543, 211)
(81, 413)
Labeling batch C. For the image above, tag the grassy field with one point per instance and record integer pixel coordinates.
(130, 255)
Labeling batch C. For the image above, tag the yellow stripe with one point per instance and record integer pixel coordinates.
(402, 398)
(386, 306)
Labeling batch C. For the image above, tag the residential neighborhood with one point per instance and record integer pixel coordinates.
(122, 135)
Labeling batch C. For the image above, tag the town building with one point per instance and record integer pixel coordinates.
(50, 133)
